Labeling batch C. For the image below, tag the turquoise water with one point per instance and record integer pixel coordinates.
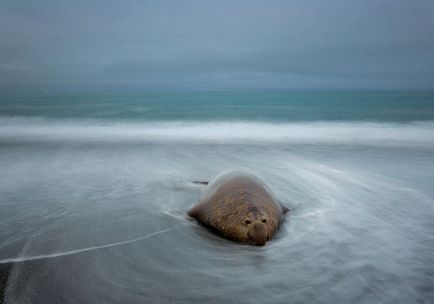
(95, 187)
(272, 106)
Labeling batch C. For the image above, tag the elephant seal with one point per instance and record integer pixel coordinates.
(239, 206)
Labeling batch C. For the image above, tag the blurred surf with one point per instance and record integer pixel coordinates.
(362, 133)
(94, 194)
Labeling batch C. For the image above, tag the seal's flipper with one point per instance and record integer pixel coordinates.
(284, 208)
(201, 182)
(194, 212)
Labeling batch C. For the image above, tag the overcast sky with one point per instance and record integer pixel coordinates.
(217, 44)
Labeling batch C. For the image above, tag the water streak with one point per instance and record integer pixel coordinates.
(76, 251)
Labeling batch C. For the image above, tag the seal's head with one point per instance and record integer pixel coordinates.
(257, 231)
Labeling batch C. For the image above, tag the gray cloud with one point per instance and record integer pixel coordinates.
(217, 44)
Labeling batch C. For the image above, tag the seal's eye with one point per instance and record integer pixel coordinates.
(264, 220)
(247, 222)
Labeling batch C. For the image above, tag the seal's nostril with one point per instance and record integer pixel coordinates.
(264, 220)
(247, 222)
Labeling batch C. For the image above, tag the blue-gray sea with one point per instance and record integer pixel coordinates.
(95, 186)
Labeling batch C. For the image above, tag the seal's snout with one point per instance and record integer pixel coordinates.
(258, 233)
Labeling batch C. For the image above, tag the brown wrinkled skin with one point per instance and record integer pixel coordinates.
(239, 206)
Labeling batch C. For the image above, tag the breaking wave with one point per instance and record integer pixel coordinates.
(364, 133)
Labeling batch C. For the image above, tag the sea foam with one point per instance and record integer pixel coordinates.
(365, 133)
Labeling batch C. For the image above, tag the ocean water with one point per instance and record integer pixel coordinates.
(95, 186)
